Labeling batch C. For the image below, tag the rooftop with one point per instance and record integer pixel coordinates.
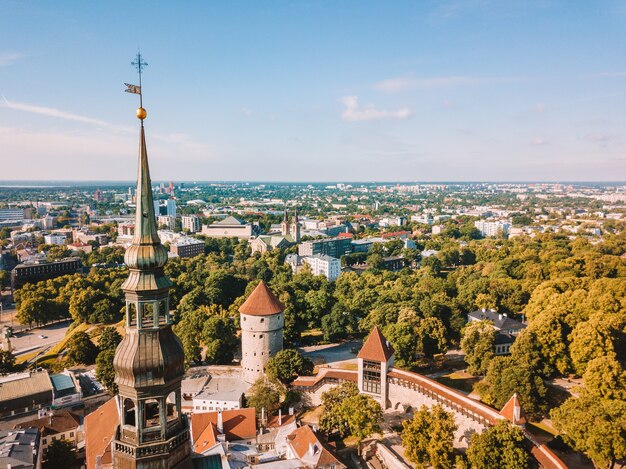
(100, 428)
(500, 321)
(376, 348)
(261, 302)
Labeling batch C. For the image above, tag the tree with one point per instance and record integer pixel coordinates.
(500, 446)
(219, 335)
(362, 415)
(477, 343)
(7, 362)
(506, 377)
(601, 335)
(264, 394)
(595, 426)
(60, 453)
(286, 365)
(605, 378)
(80, 349)
(428, 438)
(109, 339)
(331, 419)
(104, 369)
(431, 337)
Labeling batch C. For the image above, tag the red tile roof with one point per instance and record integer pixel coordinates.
(261, 302)
(238, 424)
(58, 422)
(513, 412)
(376, 348)
(309, 447)
(100, 428)
(207, 439)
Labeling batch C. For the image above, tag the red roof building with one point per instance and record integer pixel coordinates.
(376, 348)
(513, 412)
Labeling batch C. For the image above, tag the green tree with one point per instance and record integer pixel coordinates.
(80, 349)
(104, 369)
(428, 438)
(605, 378)
(264, 394)
(109, 339)
(601, 335)
(595, 426)
(506, 377)
(431, 337)
(362, 415)
(286, 365)
(219, 335)
(477, 343)
(60, 453)
(331, 419)
(7, 362)
(500, 446)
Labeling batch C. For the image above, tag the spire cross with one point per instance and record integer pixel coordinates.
(139, 64)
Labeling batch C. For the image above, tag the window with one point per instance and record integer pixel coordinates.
(44, 441)
(172, 407)
(71, 434)
(129, 412)
(371, 377)
(151, 417)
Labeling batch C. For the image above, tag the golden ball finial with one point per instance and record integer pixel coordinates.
(141, 113)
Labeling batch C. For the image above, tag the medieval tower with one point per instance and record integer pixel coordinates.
(149, 362)
(262, 322)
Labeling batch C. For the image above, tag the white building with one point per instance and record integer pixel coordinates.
(191, 223)
(228, 228)
(492, 228)
(262, 325)
(167, 221)
(55, 238)
(321, 264)
(221, 393)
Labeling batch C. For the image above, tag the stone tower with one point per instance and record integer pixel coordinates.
(262, 322)
(375, 360)
(295, 227)
(149, 362)
(284, 225)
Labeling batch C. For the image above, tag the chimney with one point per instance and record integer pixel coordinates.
(220, 423)
(280, 417)
(484, 310)
(262, 415)
(500, 317)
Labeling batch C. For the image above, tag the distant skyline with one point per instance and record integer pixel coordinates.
(473, 90)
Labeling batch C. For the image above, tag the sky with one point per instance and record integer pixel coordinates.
(341, 90)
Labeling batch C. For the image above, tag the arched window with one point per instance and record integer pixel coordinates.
(147, 315)
(171, 407)
(151, 413)
(131, 312)
(129, 412)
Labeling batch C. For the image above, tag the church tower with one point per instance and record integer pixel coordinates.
(284, 225)
(149, 362)
(295, 227)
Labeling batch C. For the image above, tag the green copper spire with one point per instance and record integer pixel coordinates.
(146, 256)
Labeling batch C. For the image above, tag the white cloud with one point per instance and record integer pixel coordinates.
(537, 141)
(539, 108)
(8, 58)
(246, 112)
(608, 75)
(407, 82)
(353, 112)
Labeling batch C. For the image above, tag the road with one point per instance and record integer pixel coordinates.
(332, 354)
(30, 341)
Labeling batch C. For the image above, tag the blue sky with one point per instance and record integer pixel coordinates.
(316, 90)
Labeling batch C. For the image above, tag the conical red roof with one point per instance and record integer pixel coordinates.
(376, 348)
(513, 411)
(261, 302)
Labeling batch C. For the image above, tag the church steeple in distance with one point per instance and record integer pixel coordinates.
(149, 362)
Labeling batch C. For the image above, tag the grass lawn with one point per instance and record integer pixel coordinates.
(459, 380)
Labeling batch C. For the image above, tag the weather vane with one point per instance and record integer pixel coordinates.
(139, 64)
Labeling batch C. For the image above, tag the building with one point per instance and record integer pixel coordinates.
(329, 267)
(375, 361)
(62, 425)
(334, 247)
(191, 223)
(220, 393)
(149, 361)
(100, 427)
(66, 390)
(24, 392)
(507, 329)
(19, 449)
(235, 426)
(492, 228)
(312, 451)
(170, 207)
(266, 243)
(38, 271)
(16, 214)
(291, 229)
(229, 227)
(55, 238)
(262, 325)
(168, 222)
(126, 229)
(187, 247)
